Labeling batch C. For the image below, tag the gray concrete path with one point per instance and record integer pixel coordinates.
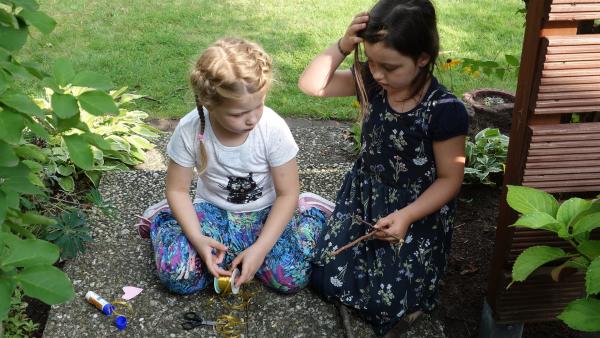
(119, 257)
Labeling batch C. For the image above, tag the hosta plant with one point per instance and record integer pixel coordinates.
(485, 156)
(573, 220)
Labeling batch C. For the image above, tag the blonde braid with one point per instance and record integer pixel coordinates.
(227, 70)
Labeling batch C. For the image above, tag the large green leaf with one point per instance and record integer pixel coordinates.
(587, 223)
(582, 315)
(64, 105)
(46, 283)
(21, 185)
(39, 20)
(527, 200)
(147, 131)
(590, 248)
(538, 220)
(592, 277)
(63, 72)
(66, 183)
(21, 103)
(20, 170)
(35, 69)
(97, 140)
(13, 39)
(92, 80)
(8, 19)
(12, 125)
(80, 151)
(139, 142)
(37, 129)
(29, 252)
(571, 208)
(28, 4)
(5, 81)
(31, 152)
(532, 258)
(8, 158)
(3, 209)
(98, 103)
(7, 287)
(94, 176)
(33, 218)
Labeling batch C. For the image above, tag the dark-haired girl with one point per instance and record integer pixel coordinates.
(408, 173)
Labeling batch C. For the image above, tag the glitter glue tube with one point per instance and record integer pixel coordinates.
(99, 302)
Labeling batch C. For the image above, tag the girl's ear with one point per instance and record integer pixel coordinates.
(423, 60)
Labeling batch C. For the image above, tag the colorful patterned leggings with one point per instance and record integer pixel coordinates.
(286, 267)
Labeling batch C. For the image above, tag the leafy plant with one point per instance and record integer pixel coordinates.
(573, 221)
(77, 131)
(70, 233)
(18, 324)
(105, 206)
(485, 156)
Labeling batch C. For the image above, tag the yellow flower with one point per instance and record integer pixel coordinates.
(467, 69)
(476, 74)
(355, 104)
(449, 64)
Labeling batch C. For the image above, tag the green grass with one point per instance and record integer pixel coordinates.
(150, 45)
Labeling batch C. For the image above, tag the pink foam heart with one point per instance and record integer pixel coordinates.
(130, 292)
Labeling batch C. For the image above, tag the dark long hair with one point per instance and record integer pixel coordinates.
(407, 26)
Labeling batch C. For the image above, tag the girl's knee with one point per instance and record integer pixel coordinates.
(183, 286)
(286, 280)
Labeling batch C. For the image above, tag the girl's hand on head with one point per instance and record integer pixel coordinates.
(206, 247)
(393, 227)
(251, 259)
(350, 39)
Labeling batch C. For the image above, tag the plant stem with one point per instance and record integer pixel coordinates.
(354, 242)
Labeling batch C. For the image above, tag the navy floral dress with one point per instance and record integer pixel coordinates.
(396, 165)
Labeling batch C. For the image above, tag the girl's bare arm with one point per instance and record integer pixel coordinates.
(321, 77)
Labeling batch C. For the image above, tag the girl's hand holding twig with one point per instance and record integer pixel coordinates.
(393, 227)
(211, 261)
(350, 38)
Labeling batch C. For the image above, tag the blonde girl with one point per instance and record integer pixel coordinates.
(244, 214)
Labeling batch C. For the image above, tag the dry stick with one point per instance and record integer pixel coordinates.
(367, 236)
(363, 237)
(400, 240)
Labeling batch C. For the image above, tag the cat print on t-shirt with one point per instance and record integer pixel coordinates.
(242, 190)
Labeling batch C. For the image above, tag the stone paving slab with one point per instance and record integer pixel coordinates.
(118, 257)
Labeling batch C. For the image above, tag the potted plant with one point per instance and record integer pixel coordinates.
(491, 108)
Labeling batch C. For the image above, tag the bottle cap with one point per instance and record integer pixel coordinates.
(108, 309)
(121, 322)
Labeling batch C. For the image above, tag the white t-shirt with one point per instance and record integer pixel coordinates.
(237, 179)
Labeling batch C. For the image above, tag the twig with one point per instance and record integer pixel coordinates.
(64, 201)
(149, 98)
(401, 240)
(367, 236)
(351, 244)
(458, 226)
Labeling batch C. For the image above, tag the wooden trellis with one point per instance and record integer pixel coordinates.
(559, 76)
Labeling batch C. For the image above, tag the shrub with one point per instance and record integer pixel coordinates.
(573, 221)
(485, 156)
(61, 138)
